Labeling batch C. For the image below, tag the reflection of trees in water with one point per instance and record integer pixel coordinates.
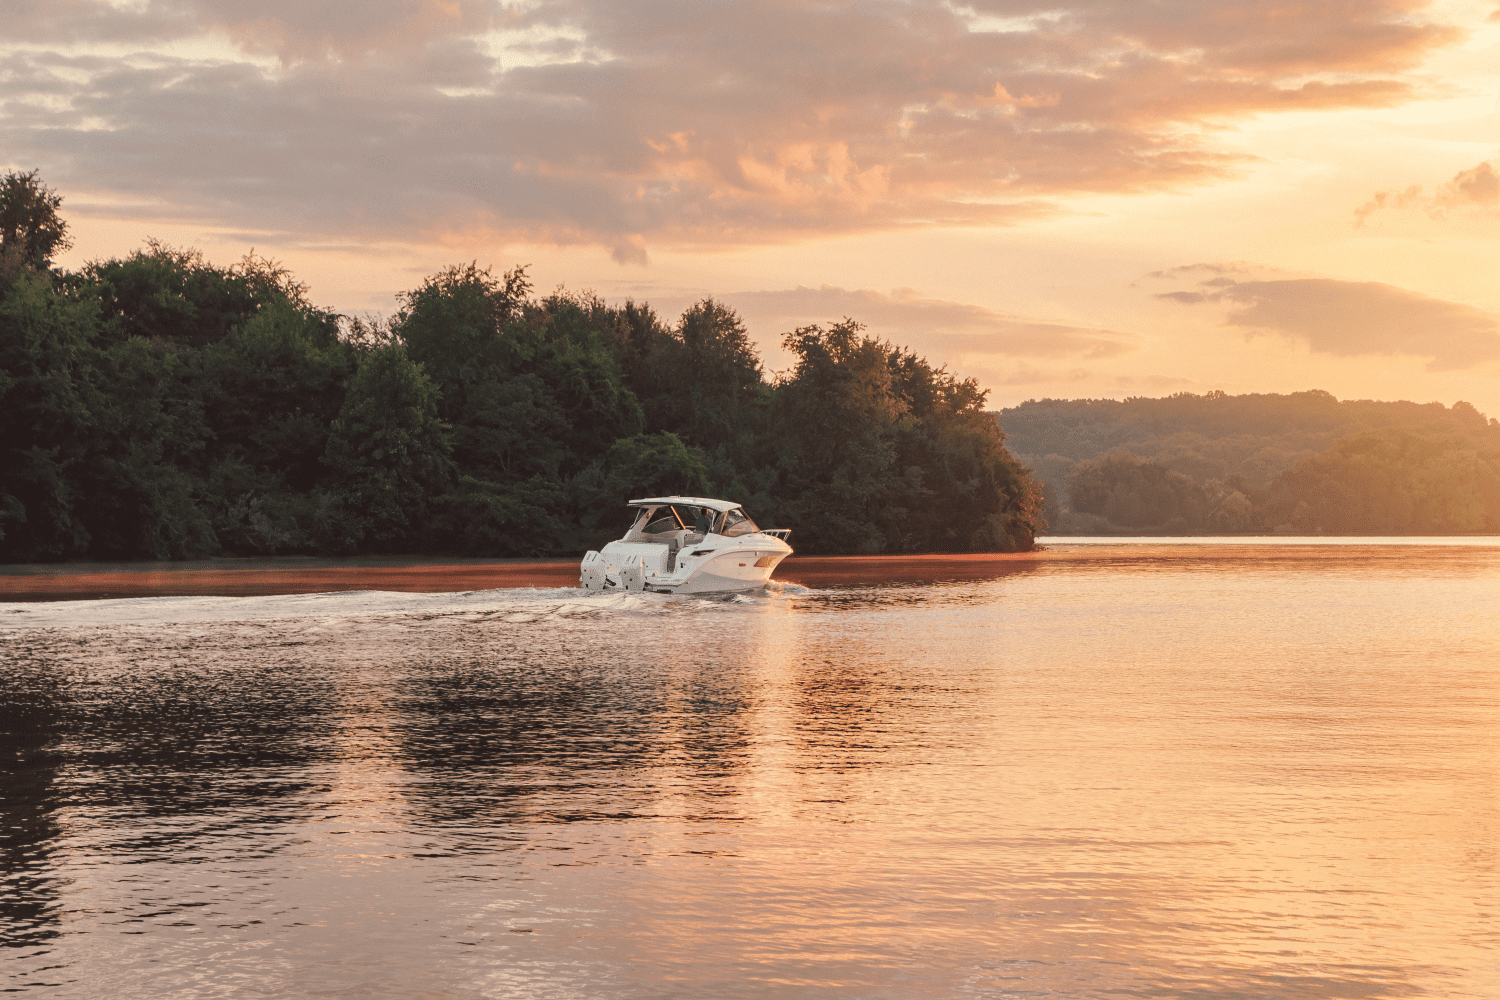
(532, 730)
(31, 700)
(185, 737)
(879, 699)
(211, 729)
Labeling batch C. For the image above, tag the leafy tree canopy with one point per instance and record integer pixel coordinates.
(1299, 463)
(161, 406)
(31, 231)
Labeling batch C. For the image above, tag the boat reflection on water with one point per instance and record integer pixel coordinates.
(1106, 773)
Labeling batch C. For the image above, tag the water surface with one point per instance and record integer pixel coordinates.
(1198, 771)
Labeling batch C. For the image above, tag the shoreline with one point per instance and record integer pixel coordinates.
(253, 577)
(270, 576)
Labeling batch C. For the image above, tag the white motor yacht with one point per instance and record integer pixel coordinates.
(687, 545)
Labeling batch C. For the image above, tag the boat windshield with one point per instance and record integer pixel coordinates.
(658, 521)
(698, 519)
(737, 522)
(657, 524)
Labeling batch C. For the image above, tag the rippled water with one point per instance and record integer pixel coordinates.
(1189, 771)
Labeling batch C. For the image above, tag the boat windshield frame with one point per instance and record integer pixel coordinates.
(679, 516)
(744, 525)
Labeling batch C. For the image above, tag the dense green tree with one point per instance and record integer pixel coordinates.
(47, 409)
(270, 392)
(644, 465)
(139, 495)
(834, 422)
(653, 363)
(461, 322)
(389, 453)
(531, 388)
(880, 452)
(702, 381)
(1136, 494)
(1390, 482)
(31, 231)
(272, 388)
(1260, 461)
(161, 406)
(163, 293)
(139, 407)
(981, 497)
(582, 374)
(510, 517)
(720, 377)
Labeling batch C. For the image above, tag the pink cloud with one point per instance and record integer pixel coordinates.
(670, 121)
(1478, 187)
(946, 329)
(1355, 318)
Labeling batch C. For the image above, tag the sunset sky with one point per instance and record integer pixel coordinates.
(1066, 199)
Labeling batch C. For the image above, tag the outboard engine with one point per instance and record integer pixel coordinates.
(633, 575)
(591, 573)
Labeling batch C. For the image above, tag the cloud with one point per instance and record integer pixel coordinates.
(290, 31)
(1356, 318)
(1477, 187)
(1219, 272)
(347, 28)
(1011, 382)
(665, 121)
(1152, 383)
(1027, 375)
(949, 330)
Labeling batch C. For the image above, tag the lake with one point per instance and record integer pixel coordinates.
(1212, 769)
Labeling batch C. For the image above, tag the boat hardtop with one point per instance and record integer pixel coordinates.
(686, 545)
(719, 505)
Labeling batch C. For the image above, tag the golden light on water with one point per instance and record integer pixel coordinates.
(1171, 769)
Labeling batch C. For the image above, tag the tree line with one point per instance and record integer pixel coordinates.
(1304, 463)
(159, 406)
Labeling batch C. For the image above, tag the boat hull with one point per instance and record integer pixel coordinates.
(730, 573)
(623, 567)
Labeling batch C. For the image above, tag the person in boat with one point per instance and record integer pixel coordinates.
(702, 522)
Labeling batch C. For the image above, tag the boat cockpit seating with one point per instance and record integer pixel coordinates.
(674, 527)
(678, 525)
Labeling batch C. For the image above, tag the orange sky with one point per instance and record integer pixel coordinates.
(1084, 198)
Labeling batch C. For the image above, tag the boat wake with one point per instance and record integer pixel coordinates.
(345, 608)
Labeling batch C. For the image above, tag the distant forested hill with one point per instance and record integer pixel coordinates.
(1304, 462)
(159, 406)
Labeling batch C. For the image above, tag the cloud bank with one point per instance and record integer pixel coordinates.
(664, 121)
(944, 329)
(1352, 318)
(1475, 188)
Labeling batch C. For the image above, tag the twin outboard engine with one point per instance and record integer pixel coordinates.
(598, 575)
